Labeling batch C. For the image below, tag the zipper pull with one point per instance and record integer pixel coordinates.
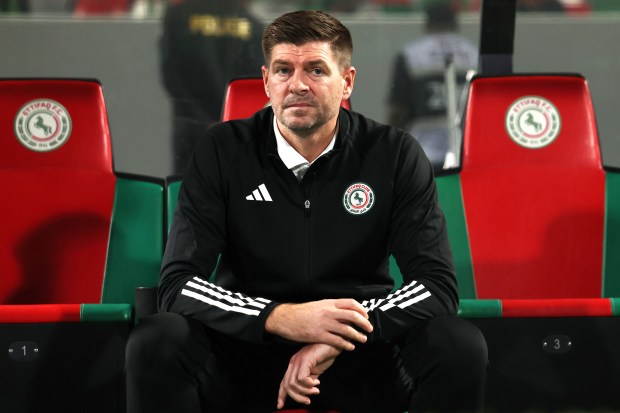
(307, 207)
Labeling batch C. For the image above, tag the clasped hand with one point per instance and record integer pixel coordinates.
(301, 379)
(331, 326)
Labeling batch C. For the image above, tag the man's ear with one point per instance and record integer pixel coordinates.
(265, 72)
(349, 80)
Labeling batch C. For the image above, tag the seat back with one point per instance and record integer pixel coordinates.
(101, 7)
(244, 97)
(533, 188)
(58, 191)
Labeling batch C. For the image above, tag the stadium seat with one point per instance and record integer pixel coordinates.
(101, 7)
(76, 239)
(534, 223)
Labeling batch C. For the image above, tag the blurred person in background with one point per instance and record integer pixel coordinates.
(204, 45)
(417, 93)
(22, 6)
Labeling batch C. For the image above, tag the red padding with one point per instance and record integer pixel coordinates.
(563, 307)
(39, 313)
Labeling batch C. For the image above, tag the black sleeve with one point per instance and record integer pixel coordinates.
(197, 237)
(420, 245)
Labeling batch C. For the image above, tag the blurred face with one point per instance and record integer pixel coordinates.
(306, 86)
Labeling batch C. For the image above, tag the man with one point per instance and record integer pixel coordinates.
(303, 203)
(204, 44)
(418, 100)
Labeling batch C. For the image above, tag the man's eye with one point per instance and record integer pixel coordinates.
(282, 70)
(317, 71)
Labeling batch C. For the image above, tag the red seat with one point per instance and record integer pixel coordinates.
(534, 219)
(76, 239)
(101, 7)
(41, 221)
(535, 209)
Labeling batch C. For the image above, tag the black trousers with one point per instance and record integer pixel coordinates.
(175, 364)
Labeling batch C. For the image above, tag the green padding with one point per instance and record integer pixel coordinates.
(136, 240)
(615, 306)
(611, 260)
(451, 201)
(105, 312)
(480, 308)
(395, 273)
(172, 196)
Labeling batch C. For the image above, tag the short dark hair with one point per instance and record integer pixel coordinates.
(301, 27)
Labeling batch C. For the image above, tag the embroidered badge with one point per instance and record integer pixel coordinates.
(42, 125)
(533, 122)
(358, 199)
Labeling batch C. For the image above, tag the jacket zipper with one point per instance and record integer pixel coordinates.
(307, 218)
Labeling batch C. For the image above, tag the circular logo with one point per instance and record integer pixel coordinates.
(533, 122)
(358, 199)
(42, 125)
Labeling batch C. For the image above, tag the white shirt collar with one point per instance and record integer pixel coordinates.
(289, 155)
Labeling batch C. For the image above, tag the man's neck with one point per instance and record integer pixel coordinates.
(310, 144)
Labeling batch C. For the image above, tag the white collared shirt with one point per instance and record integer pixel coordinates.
(293, 159)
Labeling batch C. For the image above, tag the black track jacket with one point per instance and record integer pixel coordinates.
(328, 236)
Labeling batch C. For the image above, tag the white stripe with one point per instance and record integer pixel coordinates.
(230, 299)
(408, 293)
(392, 300)
(218, 304)
(246, 298)
(249, 198)
(223, 290)
(263, 190)
(257, 195)
(414, 300)
(403, 290)
(222, 294)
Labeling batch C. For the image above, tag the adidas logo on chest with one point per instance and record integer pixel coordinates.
(260, 194)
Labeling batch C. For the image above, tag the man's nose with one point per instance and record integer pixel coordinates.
(298, 83)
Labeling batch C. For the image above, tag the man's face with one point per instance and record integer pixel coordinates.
(306, 85)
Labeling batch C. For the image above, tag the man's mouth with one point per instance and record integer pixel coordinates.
(299, 104)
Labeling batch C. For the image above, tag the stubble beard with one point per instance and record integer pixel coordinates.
(305, 127)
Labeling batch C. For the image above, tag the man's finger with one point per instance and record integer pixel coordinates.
(352, 317)
(281, 396)
(351, 304)
(349, 333)
(337, 341)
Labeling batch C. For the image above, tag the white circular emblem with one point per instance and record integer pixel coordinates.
(42, 125)
(358, 199)
(533, 122)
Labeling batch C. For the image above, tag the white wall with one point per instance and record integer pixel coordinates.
(122, 54)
